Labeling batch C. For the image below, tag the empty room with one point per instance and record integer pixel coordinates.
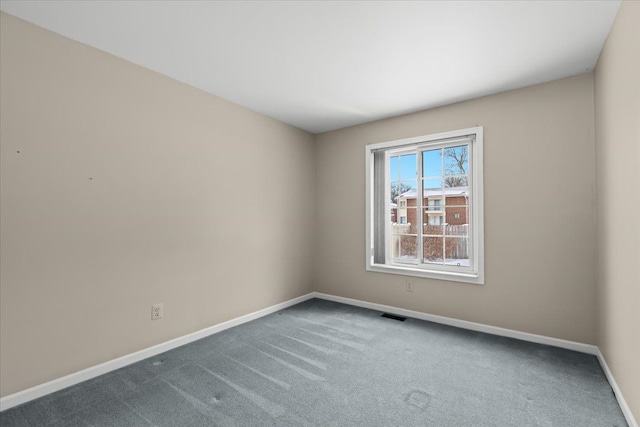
(209, 213)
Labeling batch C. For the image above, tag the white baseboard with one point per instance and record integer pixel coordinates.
(494, 330)
(111, 365)
(616, 390)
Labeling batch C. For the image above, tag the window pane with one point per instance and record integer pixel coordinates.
(457, 230)
(393, 212)
(432, 185)
(457, 215)
(458, 197)
(456, 160)
(396, 190)
(456, 181)
(432, 228)
(432, 162)
(403, 190)
(401, 227)
(457, 251)
(412, 218)
(432, 249)
(407, 248)
(433, 204)
(401, 240)
(394, 171)
(408, 167)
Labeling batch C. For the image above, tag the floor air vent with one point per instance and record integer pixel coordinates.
(393, 316)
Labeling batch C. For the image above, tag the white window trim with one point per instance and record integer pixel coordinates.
(477, 207)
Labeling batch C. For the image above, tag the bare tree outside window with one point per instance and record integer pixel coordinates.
(398, 188)
(457, 164)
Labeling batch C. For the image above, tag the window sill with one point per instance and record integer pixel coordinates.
(476, 279)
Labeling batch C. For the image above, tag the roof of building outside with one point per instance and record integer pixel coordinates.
(431, 192)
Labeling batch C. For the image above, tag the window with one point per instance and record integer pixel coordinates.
(434, 204)
(439, 177)
(435, 220)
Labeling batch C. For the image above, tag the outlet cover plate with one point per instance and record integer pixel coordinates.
(157, 311)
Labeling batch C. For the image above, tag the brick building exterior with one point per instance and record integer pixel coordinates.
(454, 210)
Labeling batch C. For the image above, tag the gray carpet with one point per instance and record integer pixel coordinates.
(321, 363)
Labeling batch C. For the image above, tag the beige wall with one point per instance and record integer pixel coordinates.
(539, 173)
(617, 105)
(83, 259)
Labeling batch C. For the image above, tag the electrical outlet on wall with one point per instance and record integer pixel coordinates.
(157, 311)
(409, 285)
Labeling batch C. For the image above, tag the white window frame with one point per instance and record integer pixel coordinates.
(475, 273)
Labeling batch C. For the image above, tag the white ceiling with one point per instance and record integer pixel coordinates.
(326, 65)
